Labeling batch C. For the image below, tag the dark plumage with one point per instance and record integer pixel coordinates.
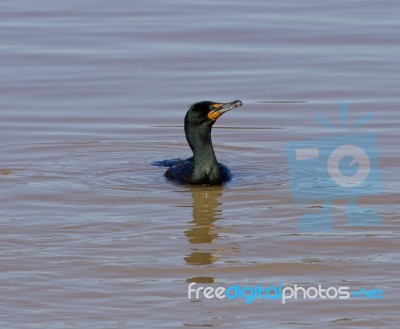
(202, 168)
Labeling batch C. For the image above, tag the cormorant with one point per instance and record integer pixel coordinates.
(202, 168)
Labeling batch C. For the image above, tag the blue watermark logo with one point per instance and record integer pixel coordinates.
(344, 166)
(280, 292)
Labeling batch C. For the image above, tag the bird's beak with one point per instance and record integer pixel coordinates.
(217, 109)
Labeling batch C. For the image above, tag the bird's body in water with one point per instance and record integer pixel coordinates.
(202, 168)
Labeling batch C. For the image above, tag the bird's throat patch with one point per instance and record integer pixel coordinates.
(214, 115)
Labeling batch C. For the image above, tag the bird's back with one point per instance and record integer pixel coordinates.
(182, 170)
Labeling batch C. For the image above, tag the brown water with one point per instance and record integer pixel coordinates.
(92, 92)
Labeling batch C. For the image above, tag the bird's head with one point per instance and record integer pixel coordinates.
(205, 113)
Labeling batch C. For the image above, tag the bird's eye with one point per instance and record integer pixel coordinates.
(214, 107)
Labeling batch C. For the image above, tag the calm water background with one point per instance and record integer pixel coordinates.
(92, 92)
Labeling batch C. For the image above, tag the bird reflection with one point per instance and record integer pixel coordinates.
(203, 230)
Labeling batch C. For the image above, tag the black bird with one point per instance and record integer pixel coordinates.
(202, 168)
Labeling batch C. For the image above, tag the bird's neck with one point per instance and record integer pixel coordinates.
(206, 169)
